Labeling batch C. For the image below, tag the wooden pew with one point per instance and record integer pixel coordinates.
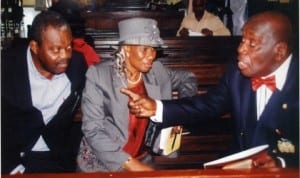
(125, 5)
(105, 23)
(203, 142)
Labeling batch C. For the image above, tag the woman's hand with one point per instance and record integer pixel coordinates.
(135, 165)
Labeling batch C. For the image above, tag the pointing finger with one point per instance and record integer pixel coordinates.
(129, 93)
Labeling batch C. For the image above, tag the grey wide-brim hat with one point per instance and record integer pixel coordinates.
(139, 31)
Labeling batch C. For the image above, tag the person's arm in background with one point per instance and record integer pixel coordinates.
(90, 55)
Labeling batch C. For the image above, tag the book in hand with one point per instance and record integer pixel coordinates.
(191, 33)
(169, 140)
(240, 160)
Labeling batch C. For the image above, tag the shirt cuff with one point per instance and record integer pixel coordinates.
(20, 169)
(159, 112)
(283, 165)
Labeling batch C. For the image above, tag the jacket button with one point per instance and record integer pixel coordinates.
(22, 154)
(284, 106)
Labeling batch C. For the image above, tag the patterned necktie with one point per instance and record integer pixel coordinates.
(269, 82)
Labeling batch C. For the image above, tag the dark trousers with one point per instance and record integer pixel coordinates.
(45, 162)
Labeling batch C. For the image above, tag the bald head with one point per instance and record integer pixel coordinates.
(266, 44)
(274, 24)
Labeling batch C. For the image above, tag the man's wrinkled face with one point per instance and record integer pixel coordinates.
(256, 52)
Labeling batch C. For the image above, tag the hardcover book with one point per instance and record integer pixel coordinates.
(240, 160)
(170, 141)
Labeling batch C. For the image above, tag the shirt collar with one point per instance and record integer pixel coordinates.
(281, 73)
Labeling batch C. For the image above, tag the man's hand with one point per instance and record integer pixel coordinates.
(207, 32)
(141, 106)
(264, 160)
(136, 165)
(184, 32)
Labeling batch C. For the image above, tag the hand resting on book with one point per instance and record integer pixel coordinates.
(262, 160)
(256, 157)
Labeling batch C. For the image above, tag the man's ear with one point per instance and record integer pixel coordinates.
(281, 50)
(34, 46)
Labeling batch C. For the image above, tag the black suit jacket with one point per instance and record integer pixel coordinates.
(22, 124)
(234, 95)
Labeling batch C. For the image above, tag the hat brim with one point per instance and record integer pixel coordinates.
(146, 41)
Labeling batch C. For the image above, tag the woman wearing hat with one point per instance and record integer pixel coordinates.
(114, 140)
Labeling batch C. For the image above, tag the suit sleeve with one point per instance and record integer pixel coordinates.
(189, 110)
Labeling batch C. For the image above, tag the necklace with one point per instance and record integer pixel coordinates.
(135, 82)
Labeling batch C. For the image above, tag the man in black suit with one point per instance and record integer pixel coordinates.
(260, 90)
(42, 84)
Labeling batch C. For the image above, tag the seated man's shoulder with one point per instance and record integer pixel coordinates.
(77, 64)
(77, 55)
(211, 15)
(77, 58)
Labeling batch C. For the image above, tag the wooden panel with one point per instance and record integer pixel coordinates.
(196, 150)
(202, 143)
(168, 22)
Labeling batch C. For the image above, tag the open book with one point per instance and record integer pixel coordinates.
(191, 33)
(238, 160)
(169, 141)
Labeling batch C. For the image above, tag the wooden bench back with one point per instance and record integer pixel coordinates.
(205, 56)
(106, 22)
